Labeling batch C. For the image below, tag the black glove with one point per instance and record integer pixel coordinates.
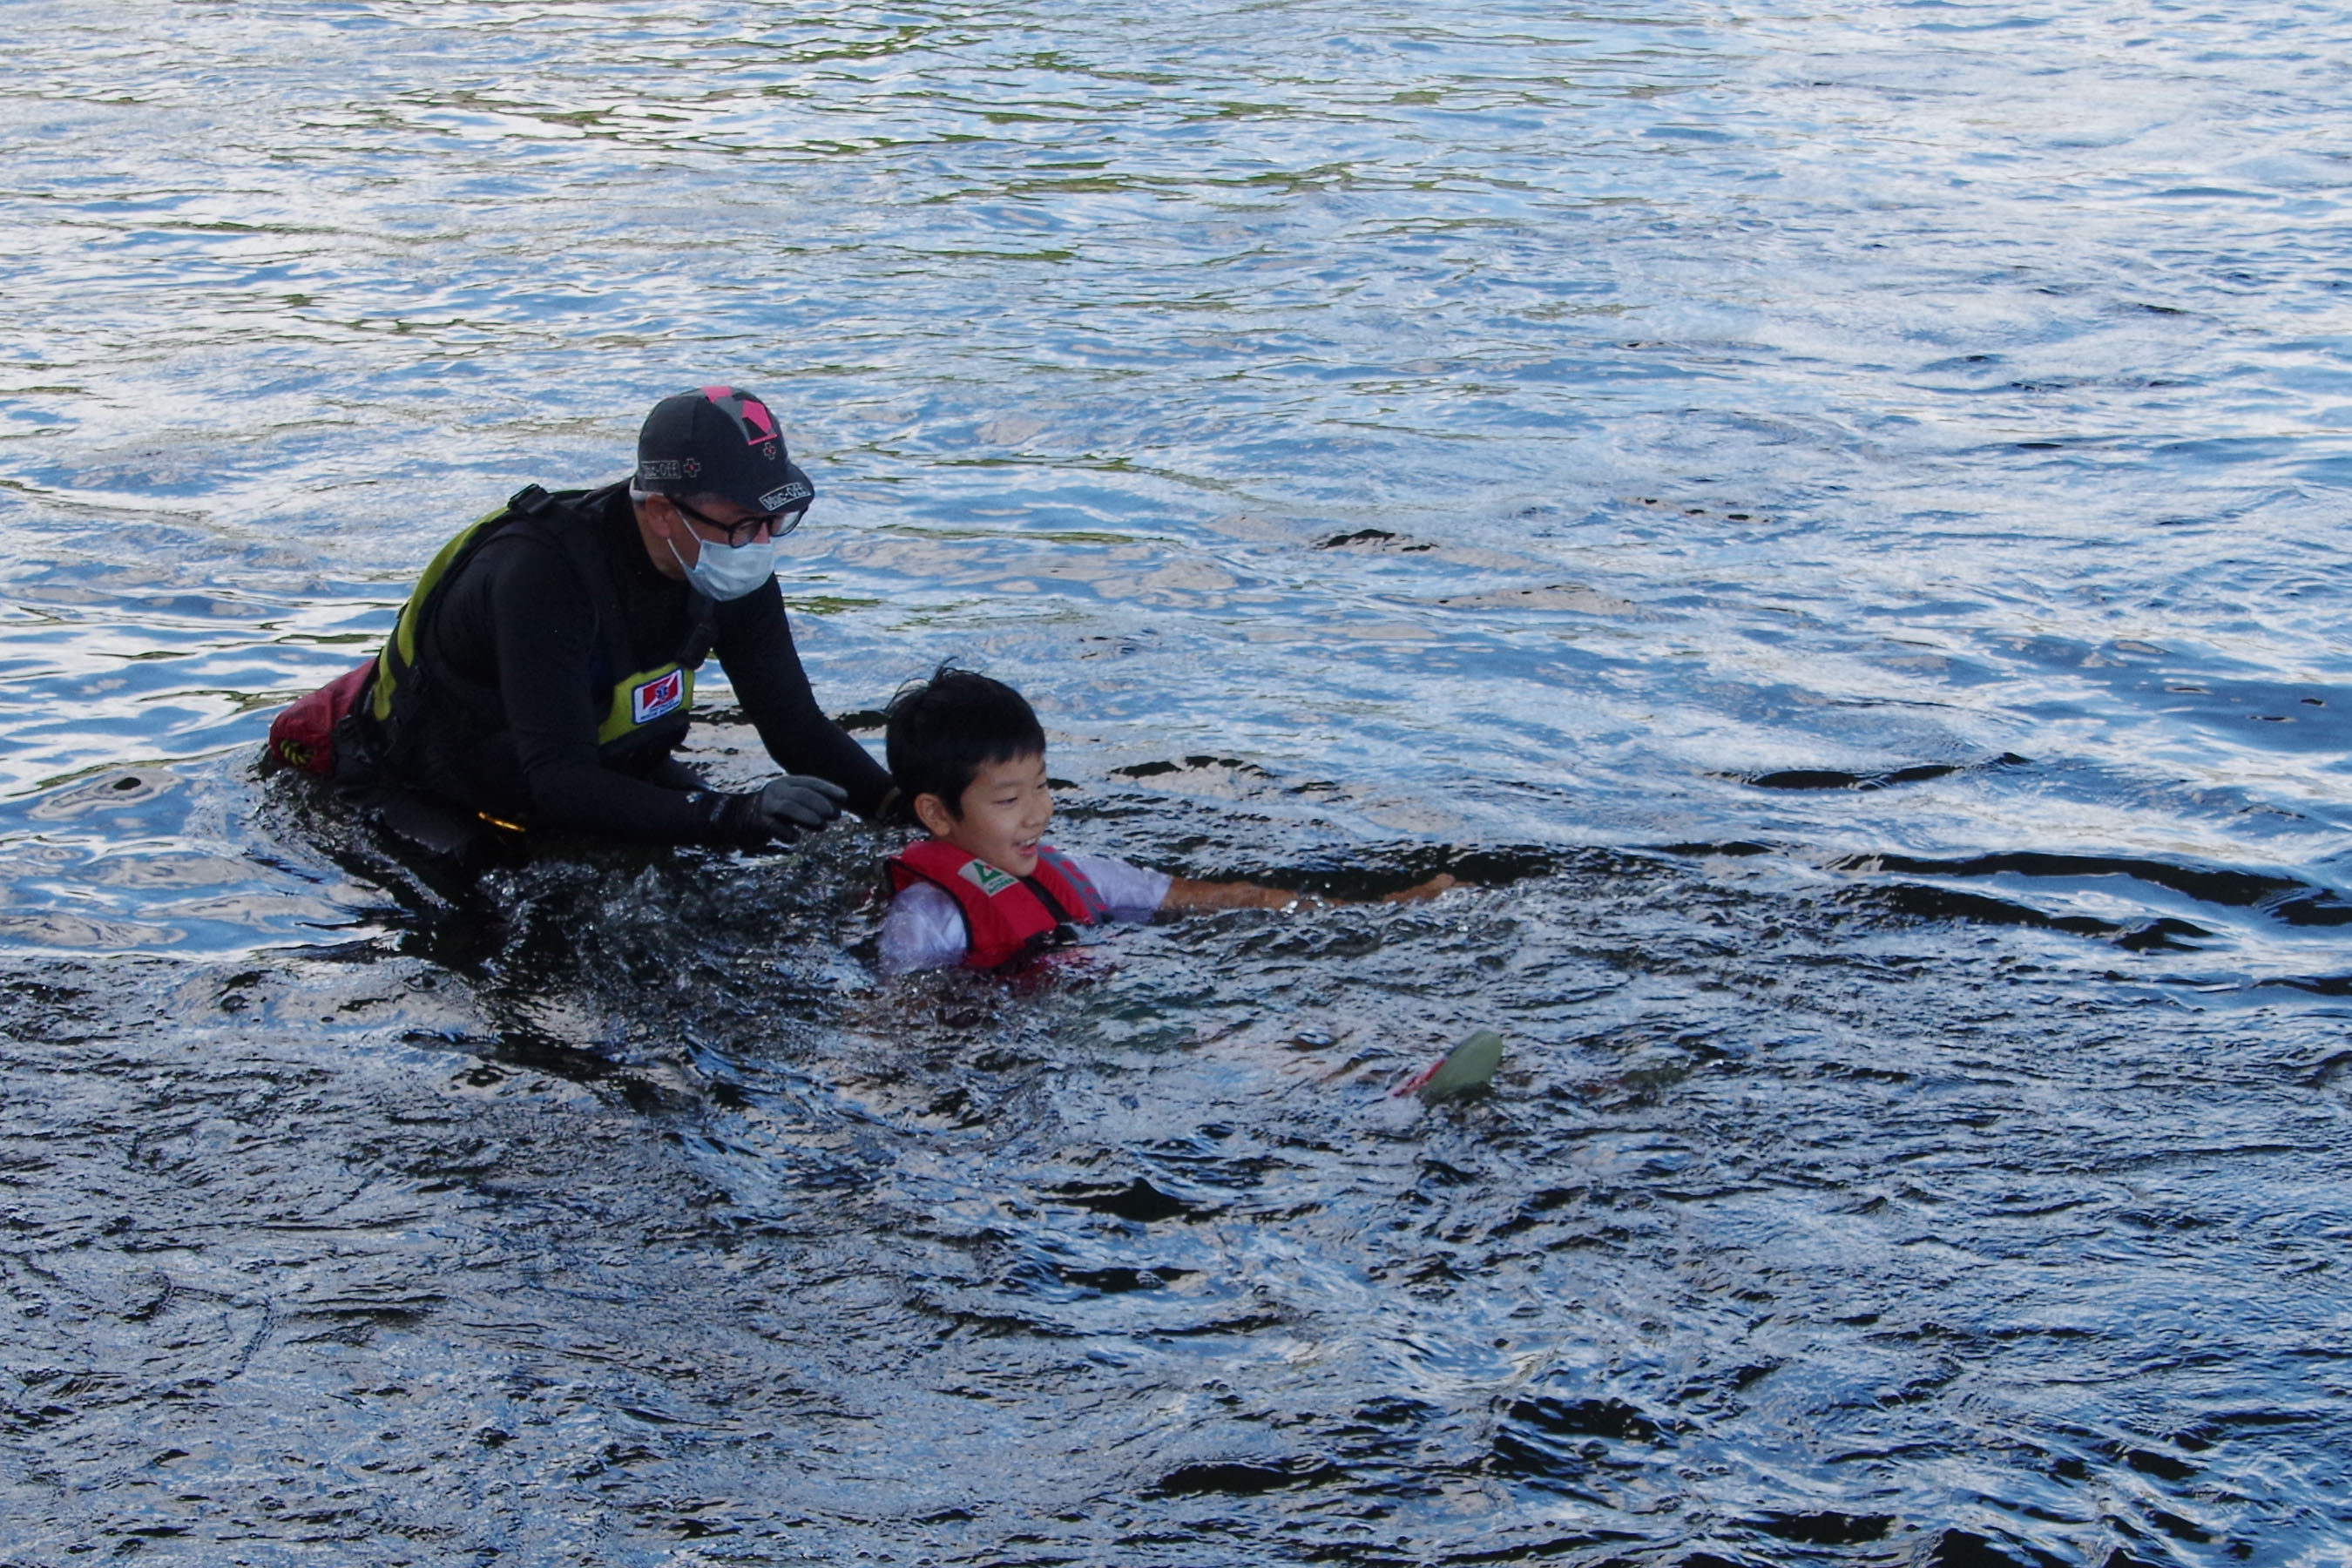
(799, 800)
(779, 813)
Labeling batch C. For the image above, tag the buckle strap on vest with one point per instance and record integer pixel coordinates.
(612, 620)
(1062, 917)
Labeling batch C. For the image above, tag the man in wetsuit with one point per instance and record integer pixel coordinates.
(542, 672)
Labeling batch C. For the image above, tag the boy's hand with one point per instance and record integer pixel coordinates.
(1420, 890)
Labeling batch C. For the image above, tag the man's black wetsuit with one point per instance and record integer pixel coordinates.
(514, 683)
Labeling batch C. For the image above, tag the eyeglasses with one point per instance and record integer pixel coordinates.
(743, 530)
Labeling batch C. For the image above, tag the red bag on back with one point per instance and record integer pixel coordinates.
(303, 735)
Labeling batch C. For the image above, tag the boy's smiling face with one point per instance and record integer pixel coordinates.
(1005, 809)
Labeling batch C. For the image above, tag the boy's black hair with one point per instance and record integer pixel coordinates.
(943, 730)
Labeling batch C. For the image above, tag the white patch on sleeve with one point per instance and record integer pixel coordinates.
(924, 930)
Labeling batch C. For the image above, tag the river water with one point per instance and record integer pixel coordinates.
(1825, 517)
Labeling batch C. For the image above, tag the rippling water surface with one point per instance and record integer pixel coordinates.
(1827, 520)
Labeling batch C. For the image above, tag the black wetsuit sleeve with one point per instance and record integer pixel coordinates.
(546, 633)
(755, 643)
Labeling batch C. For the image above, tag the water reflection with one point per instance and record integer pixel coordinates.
(1829, 521)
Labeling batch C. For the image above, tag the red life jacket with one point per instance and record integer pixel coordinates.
(1004, 917)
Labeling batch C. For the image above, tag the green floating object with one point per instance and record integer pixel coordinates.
(1468, 1066)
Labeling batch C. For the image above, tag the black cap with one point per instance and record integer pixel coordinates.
(722, 441)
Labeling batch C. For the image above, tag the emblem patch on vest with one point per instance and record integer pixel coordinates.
(987, 878)
(657, 697)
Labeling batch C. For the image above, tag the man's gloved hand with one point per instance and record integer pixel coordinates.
(780, 812)
(799, 800)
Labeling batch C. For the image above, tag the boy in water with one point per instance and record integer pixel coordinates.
(984, 889)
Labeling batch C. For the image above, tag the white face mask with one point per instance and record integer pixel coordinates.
(729, 572)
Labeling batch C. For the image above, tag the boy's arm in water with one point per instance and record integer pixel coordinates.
(1185, 895)
(924, 930)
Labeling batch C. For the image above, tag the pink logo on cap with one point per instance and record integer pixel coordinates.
(749, 412)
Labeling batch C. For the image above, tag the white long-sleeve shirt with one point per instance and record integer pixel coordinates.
(924, 930)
